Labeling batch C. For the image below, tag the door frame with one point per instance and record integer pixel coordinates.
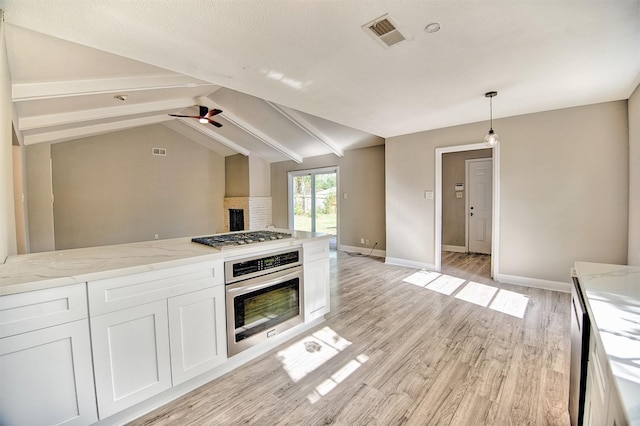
(317, 171)
(467, 197)
(495, 217)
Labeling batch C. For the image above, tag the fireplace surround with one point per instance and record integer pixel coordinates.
(256, 212)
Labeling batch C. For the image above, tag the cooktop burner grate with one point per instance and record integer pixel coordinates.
(241, 238)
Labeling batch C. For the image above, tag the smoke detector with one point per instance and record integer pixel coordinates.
(386, 31)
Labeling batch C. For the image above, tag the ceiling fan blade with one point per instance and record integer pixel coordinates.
(185, 116)
(205, 114)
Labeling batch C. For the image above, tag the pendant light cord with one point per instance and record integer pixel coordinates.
(491, 112)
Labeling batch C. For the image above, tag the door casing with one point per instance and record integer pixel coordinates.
(322, 170)
(495, 221)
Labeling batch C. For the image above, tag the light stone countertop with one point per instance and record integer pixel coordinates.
(37, 271)
(613, 305)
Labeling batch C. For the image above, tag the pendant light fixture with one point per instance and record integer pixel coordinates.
(492, 138)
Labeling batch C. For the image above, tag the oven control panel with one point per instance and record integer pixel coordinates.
(240, 269)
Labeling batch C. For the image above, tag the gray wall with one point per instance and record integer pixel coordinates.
(259, 177)
(236, 176)
(8, 245)
(361, 176)
(453, 209)
(39, 205)
(247, 176)
(564, 189)
(634, 178)
(109, 189)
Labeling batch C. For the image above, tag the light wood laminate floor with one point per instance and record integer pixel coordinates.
(404, 347)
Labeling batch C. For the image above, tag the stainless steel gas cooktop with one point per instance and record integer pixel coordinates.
(235, 239)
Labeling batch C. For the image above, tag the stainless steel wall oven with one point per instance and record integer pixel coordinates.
(264, 297)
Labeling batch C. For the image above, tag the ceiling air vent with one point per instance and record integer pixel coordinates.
(159, 151)
(385, 30)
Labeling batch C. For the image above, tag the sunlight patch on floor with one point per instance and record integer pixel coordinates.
(422, 278)
(510, 302)
(505, 301)
(446, 284)
(339, 376)
(479, 294)
(309, 353)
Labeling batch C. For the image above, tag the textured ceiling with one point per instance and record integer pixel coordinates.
(314, 58)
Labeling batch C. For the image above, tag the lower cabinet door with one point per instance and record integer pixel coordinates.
(316, 289)
(197, 330)
(131, 356)
(597, 391)
(46, 377)
(615, 412)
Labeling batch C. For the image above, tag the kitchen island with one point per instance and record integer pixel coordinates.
(105, 334)
(612, 299)
(36, 271)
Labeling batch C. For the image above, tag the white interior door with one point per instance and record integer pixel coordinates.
(480, 187)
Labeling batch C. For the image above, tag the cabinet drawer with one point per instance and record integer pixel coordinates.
(315, 251)
(33, 310)
(118, 293)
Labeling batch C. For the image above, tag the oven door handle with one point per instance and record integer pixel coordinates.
(264, 284)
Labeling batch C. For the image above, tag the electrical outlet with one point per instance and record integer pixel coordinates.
(366, 242)
(362, 241)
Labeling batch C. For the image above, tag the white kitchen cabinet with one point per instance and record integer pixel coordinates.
(316, 289)
(130, 331)
(46, 374)
(615, 413)
(316, 279)
(602, 406)
(127, 291)
(130, 355)
(197, 330)
(598, 385)
(316, 250)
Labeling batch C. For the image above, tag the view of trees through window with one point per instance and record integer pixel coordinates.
(315, 203)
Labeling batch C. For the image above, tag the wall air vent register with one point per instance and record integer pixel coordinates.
(385, 30)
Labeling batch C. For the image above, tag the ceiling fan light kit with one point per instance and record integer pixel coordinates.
(492, 138)
(204, 117)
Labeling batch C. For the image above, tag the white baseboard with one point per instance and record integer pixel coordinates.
(363, 250)
(534, 282)
(409, 263)
(456, 249)
(563, 287)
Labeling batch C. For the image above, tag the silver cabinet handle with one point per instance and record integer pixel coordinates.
(264, 284)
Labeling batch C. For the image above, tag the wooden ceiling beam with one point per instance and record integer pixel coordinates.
(302, 123)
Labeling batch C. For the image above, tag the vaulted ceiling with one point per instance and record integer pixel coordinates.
(302, 78)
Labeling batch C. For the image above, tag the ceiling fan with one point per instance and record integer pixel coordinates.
(204, 117)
